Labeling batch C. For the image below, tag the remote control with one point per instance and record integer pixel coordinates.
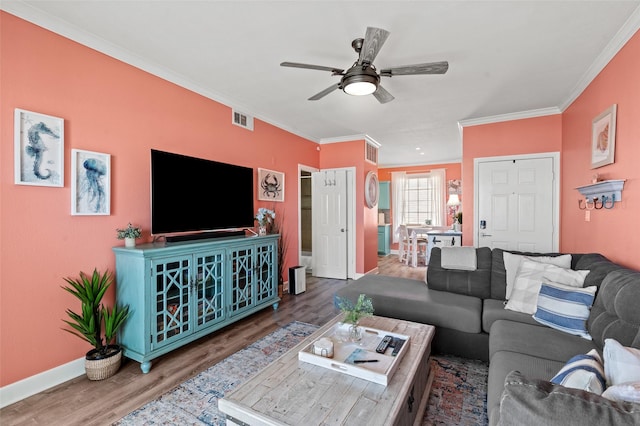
(384, 344)
(397, 345)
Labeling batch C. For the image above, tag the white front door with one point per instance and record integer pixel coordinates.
(517, 204)
(330, 223)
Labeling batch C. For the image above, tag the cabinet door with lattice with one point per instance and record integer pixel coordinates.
(241, 270)
(171, 299)
(265, 273)
(209, 288)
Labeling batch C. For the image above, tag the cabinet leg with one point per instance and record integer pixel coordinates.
(275, 306)
(145, 366)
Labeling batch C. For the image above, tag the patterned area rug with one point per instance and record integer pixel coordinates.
(458, 395)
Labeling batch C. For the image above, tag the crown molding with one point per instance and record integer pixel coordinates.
(630, 27)
(509, 117)
(63, 28)
(346, 138)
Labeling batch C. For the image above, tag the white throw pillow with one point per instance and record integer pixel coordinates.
(623, 392)
(621, 363)
(512, 264)
(531, 275)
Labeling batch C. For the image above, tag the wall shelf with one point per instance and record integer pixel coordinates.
(605, 190)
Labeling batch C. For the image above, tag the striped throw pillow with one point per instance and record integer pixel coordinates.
(565, 308)
(584, 372)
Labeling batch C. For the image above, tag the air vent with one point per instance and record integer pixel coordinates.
(371, 152)
(242, 120)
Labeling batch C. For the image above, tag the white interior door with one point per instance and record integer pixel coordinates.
(330, 223)
(517, 205)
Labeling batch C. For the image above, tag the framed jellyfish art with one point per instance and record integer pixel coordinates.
(90, 183)
(38, 149)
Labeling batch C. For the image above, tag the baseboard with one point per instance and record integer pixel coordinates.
(25, 388)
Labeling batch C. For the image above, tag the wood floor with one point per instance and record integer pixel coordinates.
(83, 402)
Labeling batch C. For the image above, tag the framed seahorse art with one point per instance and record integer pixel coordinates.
(603, 138)
(39, 149)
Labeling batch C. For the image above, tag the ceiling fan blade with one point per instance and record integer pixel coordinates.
(382, 95)
(325, 92)
(311, 67)
(428, 68)
(373, 41)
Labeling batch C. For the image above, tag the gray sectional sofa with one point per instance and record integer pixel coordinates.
(468, 309)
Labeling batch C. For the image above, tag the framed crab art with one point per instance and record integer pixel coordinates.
(270, 185)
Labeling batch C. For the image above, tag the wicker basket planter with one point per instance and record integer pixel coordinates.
(105, 367)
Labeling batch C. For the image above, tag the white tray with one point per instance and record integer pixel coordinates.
(378, 372)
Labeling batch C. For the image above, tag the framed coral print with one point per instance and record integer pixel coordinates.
(90, 183)
(270, 185)
(603, 138)
(38, 149)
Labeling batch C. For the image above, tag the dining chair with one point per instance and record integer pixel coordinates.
(412, 250)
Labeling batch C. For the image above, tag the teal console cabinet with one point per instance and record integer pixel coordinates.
(180, 292)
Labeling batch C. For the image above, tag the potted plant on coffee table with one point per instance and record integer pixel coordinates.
(353, 313)
(96, 323)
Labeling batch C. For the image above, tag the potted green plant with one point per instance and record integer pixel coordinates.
(353, 313)
(129, 235)
(96, 323)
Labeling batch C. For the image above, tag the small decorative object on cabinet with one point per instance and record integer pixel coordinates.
(129, 235)
(183, 291)
(103, 361)
(265, 218)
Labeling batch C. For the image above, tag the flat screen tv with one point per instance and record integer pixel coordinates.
(191, 194)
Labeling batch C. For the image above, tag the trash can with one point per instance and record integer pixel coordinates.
(297, 282)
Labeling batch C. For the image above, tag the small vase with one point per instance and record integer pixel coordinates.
(129, 242)
(262, 230)
(355, 333)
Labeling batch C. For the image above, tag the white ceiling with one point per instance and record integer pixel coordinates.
(507, 59)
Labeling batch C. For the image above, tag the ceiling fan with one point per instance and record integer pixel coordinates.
(363, 78)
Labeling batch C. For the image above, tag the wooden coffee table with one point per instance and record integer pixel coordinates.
(293, 392)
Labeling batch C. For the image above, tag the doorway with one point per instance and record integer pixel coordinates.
(305, 226)
(517, 202)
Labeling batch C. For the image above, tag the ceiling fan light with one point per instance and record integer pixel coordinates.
(360, 88)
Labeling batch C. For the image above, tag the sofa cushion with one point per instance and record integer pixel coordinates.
(512, 263)
(411, 300)
(499, 274)
(598, 266)
(535, 340)
(531, 275)
(615, 312)
(528, 401)
(565, 308)
(584, 372)
(493, 310)
(475, 283)
(505, 362)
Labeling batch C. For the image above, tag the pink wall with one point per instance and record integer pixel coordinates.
(532, 135)
(351, 154)
(614, 233)
(108, 107)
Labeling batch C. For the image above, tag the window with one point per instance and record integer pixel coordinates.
(420, 195)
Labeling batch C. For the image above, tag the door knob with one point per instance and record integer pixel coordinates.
(341, 229)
